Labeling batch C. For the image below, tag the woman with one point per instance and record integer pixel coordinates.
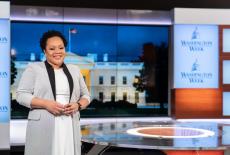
(54, 92)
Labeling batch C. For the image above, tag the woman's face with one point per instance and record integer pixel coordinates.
(55, 51)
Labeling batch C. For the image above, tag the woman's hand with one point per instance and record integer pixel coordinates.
(55, 108)
(71, 108)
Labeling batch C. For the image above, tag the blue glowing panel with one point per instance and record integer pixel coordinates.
(196, 56)
(226, 103)
(226, 40)
(210, 141)
(226, 135)
(4, 71)
(226, 73)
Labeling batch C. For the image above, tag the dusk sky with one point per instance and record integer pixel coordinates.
(121, 42)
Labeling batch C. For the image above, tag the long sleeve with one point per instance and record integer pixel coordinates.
(84, 93)
(25, 90)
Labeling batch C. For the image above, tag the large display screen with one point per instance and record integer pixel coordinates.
(125, 67)
(196, 56)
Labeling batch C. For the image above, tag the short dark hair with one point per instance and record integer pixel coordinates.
(50, 34)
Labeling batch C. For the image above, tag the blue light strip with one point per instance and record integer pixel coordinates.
(4, 70)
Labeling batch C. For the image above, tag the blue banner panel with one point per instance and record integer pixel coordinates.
(4, 70)
(196, 56)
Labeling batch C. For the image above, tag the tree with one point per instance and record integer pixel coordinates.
(13, 70)
(153, 78)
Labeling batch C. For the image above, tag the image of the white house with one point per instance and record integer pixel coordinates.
(106, 81)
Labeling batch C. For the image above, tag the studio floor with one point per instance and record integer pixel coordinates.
(138, 136)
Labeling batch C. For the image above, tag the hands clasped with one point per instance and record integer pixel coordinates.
(59, 109)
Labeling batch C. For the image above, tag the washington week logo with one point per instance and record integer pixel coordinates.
(195, 66)
(195, 34)
(3, 108)
(196, 44)
(195, 76)
(3, 75)
(3, 39)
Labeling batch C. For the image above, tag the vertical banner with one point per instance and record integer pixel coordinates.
(196, 57)
(4, 83)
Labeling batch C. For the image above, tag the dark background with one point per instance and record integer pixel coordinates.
(128, 4)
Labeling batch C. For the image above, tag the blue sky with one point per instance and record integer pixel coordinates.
(121, 42)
